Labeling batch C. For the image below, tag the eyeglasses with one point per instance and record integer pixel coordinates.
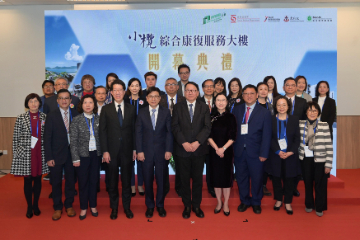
(191, 91)
(171, 84)
(249, 94)
(184, 73)
(153, 97)
(209, 86)
(66, 98)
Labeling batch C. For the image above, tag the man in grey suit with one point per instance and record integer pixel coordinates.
(184, 74)
(191, 126)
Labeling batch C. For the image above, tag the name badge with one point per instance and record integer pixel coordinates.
(33, 141)
(92, 143)
(244, 129)
(282, 144)
(68, 135)
(308, 152)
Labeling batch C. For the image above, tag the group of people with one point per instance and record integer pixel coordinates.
(253, 128)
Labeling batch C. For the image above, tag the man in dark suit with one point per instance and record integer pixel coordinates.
(57, 153)
(51, 103)
(191, 126)
(150, 80)
(184, 74)
(299, 106)
(251, 148)
(154, 146)
(117, 130)
(208, 98)
(168, 101)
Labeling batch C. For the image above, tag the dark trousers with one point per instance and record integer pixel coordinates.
(160, 165)
(56, 181)
(208, 180)
(139, 174)
(88, 174)
(125, 166)
(167, 181)
(191, 168)
(315, 172)
(30, 190)
(246, 168)
(177, 174)
(285, 189)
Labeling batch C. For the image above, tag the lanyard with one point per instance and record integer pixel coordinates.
(137, 105)
(167, 100)
(37, 125)
(323, 105)
(305, 130)
(272, 98)
(267, 107)
(245, 115)
(232, 107)
(92, 124)
(278, 129)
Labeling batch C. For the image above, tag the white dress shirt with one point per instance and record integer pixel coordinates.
(193, 107)
(169, 99)
(156, 112)
(206, 101)
(100, 107)
(321, 102)
(122, 107)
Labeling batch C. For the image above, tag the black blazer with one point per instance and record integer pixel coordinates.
(328, 113)
(186, 131)
(51, 104)
(142, 102)
(293, 143)
(154, 142)
(163, 101)
(112, 136)
(55, 136)
(300, 108)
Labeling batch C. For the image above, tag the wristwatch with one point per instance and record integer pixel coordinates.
(224, 148)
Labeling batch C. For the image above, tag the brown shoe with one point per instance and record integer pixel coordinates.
(70, 212)
(57, 215)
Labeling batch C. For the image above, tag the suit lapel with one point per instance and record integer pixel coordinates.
(198, 110)
(254, 111)
(113, 113)
(160, 118)
(186, 110)
(58, 112)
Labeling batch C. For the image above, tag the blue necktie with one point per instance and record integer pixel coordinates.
(153, 118)
(120, 116)
(191, 112)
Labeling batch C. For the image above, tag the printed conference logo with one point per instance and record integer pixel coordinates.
(271, 19)
(214, 18)
(235, 19)
(318, 19)
(292, 19)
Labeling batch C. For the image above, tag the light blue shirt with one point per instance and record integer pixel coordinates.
(250, 110)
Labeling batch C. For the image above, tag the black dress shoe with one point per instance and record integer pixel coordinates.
(161, 211)
(296, 193)
(242, 207)
(141, 193)
(29, 213)
(37, 211)
(186, 212)
(133, 194)
(256, 209)
(129, 214)
(50, 195)
(290, 212)
(198, 212)
(149, 212)
(82, 217)
(94, 214)
(114, 214)
(227, 213)
(216, 211)
(277, 208)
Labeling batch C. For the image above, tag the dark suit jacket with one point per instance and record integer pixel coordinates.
(55, 136)
(293, 142)
(258, 139)
(328, 113)
(164, 103)
(142, 101)
(300, 108)
(51, 104)
(180, 92)
(112, 136)
(186, 131)
(154, 143)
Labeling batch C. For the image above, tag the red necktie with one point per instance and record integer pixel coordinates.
(247, 114)
(209, 105)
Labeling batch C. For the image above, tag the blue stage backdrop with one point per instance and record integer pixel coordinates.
(245, 43)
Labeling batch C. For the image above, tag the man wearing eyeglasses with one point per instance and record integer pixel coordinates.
(251, 148)
(184, 74)
(299, 106)
(191, 126)
(51, 103)
(154, 146)
(168, 101)
(57, 153)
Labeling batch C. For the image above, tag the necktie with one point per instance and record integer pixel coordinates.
(66, 121)
(120, 116)
(247, 114)
(209, 106)
(171, 106)
(153, 118)
(191, 112)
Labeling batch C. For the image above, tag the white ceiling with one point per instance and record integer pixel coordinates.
(62, 2)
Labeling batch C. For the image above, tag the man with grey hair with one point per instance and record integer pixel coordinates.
(51, 104)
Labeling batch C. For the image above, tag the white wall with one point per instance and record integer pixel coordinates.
(22, 48)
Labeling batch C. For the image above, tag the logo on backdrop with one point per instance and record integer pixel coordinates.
(235, 19)
(292, 19)
(271, 19)
(286, 19)
(318, 19)
(214, 18)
